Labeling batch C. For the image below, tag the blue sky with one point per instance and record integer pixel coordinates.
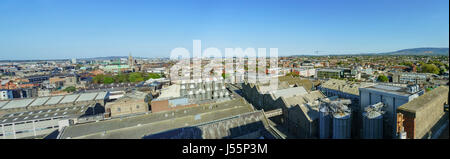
(49, 29)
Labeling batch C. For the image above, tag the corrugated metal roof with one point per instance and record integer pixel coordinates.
(101, 95)
(69, 98)
(54, 100)
(39, 101)
(87, 96)
(18, 103)
(2, 103)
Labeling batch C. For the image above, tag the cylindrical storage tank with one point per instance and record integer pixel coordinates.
(197, 95)
(183, 90)
(221, 95)
(215, 95)
(191, 94)
(203, 92)
(324, 123)
(372, 125)
(208, 93)
(341, 126)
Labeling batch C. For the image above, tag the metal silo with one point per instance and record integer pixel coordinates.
(373, 122)
(208, 93)
(324, 123)
(203, 94)
(372, 125)
(341, 125)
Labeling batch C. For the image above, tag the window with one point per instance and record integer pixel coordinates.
(137, 106)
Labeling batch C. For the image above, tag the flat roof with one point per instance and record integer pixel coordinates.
(289, 92)
(402, 91)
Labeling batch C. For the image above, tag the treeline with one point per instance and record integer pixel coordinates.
(433, 66)
(124, 78)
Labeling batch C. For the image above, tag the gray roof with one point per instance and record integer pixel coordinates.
(69, 98)
(230, 127)
(2, 103)
(43, 113)
(39, 101)
(289, 92)
(87, 97)
(102, 95)
(18, 103)
(54, 100)
(156, 122)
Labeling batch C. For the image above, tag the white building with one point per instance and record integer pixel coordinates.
(5, 94)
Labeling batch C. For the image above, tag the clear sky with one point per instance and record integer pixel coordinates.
(49, 29)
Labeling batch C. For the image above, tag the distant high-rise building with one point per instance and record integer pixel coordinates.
(74, 60)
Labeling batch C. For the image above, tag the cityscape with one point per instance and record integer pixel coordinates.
(216, 90)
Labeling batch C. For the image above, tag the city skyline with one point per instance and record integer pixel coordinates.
(83, 29)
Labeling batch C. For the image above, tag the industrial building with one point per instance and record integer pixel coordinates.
(329, 73)
(252, 125)
(346, 90)
(131, 103)
(137, 127)
(335, 119)
(420, 118)
(299, 106)
(35, 123)
(407, 77)
(18, 105)
(392, 97)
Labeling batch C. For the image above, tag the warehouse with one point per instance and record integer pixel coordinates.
(39, 122)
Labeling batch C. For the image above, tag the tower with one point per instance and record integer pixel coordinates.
(131, 62)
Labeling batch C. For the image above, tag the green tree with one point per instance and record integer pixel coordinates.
(70, 89)
(108, 80)
(154, 75)
(429, 68)
(383, 78)
(121, 78)
(98, 78)
(135, 77)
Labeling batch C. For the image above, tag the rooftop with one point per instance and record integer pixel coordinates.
(397, 90)
(421, 101)
(139, 126)
(43, 113)
(40, 101)
(172, 91)
(345, 86)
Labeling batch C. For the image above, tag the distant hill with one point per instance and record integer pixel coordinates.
(419, 51)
